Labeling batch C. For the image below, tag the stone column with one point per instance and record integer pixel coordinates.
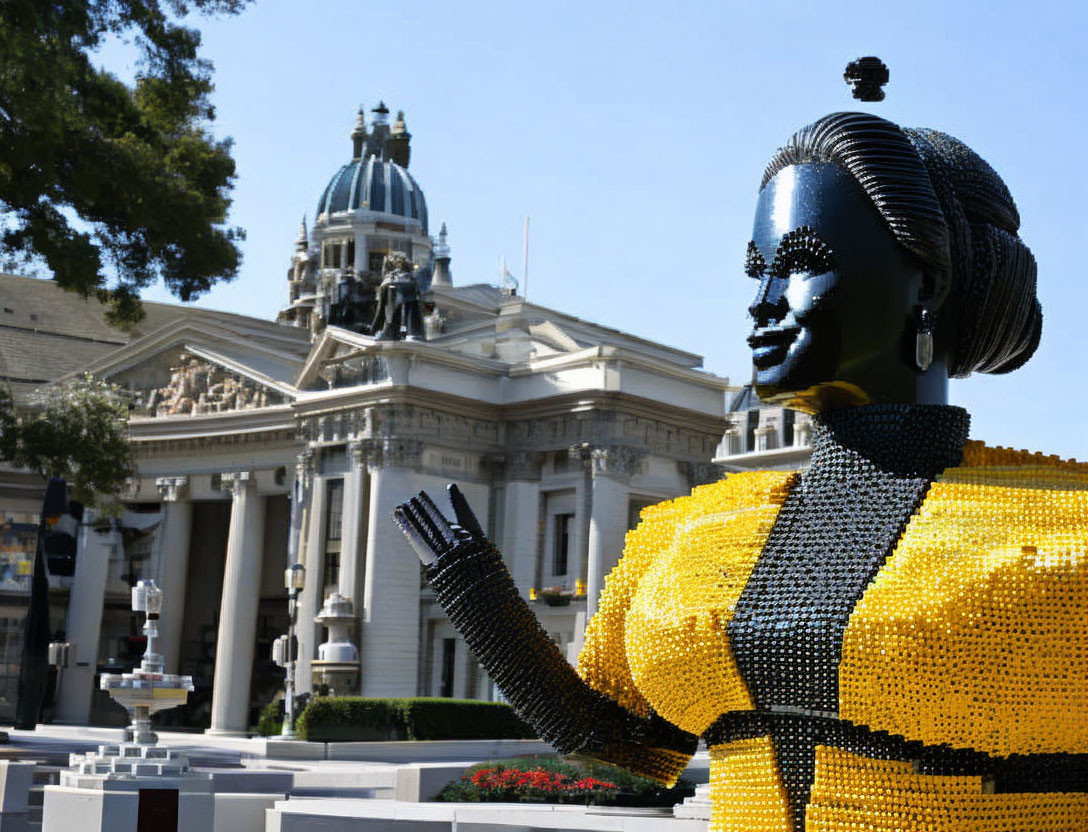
(521, 519)
(390, 610)
(173, 567)
(311, 555)
(235, 644)
(361, 253)
(612, 468)
(78, 680)
(353, 523)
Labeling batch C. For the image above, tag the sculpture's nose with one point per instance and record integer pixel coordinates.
(770, 301)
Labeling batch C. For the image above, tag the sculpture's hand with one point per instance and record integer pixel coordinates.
(474, 587)
(430, 533)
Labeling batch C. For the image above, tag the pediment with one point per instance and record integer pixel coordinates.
(189, 381)
(342, 358)
(195, 370)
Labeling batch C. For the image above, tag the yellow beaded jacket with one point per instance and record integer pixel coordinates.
(973, 635)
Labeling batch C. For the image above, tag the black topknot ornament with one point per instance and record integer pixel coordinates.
(867, 76)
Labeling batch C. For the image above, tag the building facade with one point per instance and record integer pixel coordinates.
(262, 444)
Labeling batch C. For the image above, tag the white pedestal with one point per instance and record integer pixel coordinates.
(112, 805)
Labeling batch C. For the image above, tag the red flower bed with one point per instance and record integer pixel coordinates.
(543, 779)
(536, 785)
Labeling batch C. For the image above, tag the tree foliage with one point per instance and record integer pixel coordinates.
(75, 430)
(113, 186)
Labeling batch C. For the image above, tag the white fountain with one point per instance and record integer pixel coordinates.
(109, 789)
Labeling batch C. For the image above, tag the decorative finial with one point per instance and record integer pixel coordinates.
(302, 240)
(509, 282)
(358, 135)
(399, 125)
(867, 75)
(380, 113)
(441, 275)
(442, 248)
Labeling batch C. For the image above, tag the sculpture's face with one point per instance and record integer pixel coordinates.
(835, 309)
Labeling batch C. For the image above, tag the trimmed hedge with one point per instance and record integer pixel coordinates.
(357, 719)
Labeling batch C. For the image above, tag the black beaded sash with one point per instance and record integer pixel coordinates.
(795, 737)
(871, 467)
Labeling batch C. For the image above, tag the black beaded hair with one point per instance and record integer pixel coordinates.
(947, 206)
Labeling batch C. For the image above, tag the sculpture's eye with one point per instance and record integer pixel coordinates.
(754, 263)
(801, 251)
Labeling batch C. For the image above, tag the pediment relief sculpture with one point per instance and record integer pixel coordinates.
(198, 387)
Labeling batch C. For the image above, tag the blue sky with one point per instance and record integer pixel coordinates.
(634, 134)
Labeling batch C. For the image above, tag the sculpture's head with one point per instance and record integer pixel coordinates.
(868, 235)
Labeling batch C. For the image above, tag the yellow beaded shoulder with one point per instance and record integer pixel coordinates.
(659, 637)
(974, 632)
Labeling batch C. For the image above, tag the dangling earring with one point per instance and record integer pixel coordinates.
(923, 340)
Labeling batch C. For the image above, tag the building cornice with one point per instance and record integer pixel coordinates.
(231, 423)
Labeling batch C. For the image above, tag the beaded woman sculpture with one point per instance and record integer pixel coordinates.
(895, 639)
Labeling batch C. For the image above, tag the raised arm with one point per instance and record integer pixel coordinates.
(472, 584)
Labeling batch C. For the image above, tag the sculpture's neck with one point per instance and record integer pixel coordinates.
(902, 439)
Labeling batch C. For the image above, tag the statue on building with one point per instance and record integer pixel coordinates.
(399, 314)
(893, 639)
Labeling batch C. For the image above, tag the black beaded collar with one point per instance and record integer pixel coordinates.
(914, 440)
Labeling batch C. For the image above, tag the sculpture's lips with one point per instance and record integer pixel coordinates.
(770, 344)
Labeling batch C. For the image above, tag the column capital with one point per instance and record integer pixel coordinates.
(610, 460)
(359, 451)
(304, 466)
(700, 473)
(172, 489)
(388, 452)
(235, 481)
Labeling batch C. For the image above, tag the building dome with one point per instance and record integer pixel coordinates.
(377, 185)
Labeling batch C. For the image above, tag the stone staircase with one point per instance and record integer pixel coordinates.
(696, 807)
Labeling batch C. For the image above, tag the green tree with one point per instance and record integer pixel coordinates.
(112, 186)
(75, 430)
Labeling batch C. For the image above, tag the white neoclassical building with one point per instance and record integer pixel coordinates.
(265, 443)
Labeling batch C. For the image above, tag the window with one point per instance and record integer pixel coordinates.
(753, 423)
(634, 511)
(449, 656)
(788, 419)
(334, 509)
(563, 524)
(334, 523)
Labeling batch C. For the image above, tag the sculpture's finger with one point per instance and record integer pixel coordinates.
(437, 518)
(406, 524)
(464, 514)
(425, 525)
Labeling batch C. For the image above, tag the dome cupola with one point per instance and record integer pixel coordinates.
(377, 178)
(371, 209)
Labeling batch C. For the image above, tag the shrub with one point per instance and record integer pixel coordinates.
(271, 722)
(350, 718)
(544, 780)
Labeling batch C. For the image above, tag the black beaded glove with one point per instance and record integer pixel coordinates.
(472, 584)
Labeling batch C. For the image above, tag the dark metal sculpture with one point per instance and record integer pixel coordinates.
(887, 261)
(399, 314)
(867, 76)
